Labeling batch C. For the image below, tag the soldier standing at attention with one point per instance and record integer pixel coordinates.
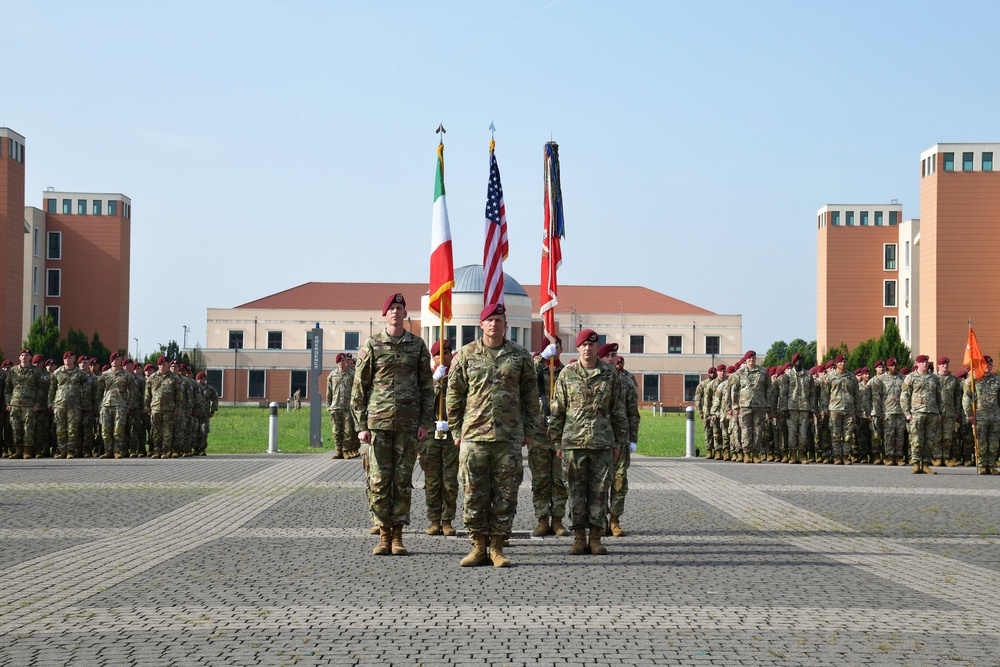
(439, 455)
(25, 400)
(893, 421)
(44, 434)
(796, 401)
(393, 403)
(951, 407)
(211, 407)
(750, 385)
(720, 415)
(863, 453)
(608, 353)
(921, 401)
(589, 423)
(338, 401)
(493, 412)
(115, 391)
(163, 401)
(842, 401)
(703, 403)
(986, 418)
(66, 386)
(548, 489)
(297, 399)
(5, 432)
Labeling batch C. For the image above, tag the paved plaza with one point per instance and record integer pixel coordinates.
(234, 560)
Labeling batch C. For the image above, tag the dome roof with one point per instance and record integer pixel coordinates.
(470, 279)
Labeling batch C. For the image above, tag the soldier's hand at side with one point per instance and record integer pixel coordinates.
(365, 436)
(614, 455)
(559, 453)
(421, 434)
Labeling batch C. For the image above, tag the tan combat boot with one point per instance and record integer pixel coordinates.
(557, 526)
(784, 458)
(917, 469)
(927, 469)
(383, 548)
(542, 528)
(446, 529)
(616, 527)
(397, 541)
(374, 530)
(718, 455)
(478, 553)
(496, 552)
(595, 545)
(434, 528)
(579, 545)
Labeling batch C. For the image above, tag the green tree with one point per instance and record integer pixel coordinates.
(43, 337)
(171, 351)
(777, 354)
(75, 340)
(99, 350)
(807, 350)
(832, 352)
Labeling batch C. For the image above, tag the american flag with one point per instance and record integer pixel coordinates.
(495, 251)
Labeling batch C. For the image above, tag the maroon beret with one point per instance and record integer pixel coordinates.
(162, 360)
(67, 354)
(115, 355)
(879, 363)
(149, 367)
(720, 367)
(891, 362)
(729, 370)
(436, 347)
(839, 358)
(490, 310)
(750, 353)
(943, 360)
(128, 361)
(797, 355)
(340, 357)
(7, 364)
(904, 370)
(922, 358)
(586, 335)
(35, 359)
(50, 362)
(987, 358)
(25, 351)
(961, 374)
(711, 370)
(200, 375)
(607, 349)
(395, 298)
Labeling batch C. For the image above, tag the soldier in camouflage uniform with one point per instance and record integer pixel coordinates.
(493, 411)
(921, 403)
(703, 404)
(163, 401)
(24, 398)
(863, 444)
(136, 435)
(115, 394)
(548, 488)
(338, 402)
(591, 426)
(44, 433)
(951, 408)
(66, 387)
(211, 398)
(885, 397)
(986, 417)
(183, 415)
(608, 353)
(720, 413)
(965, 454)
(439, 455)
(393, 403)
(796, 401)
(750, 387)
(842, 400)
(89, 411)
(6, 435)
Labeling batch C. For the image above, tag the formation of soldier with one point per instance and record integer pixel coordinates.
(123, 410)
(922, 417)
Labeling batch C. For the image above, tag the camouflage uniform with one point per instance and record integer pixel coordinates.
(65, 394)
(863, 445)
(951, 408)
(25, 400)
(115, 391)
(750, 387)
(392, 396)
(138, 420)
(720, 416)
(43, 420)
(89, 406)
(824, 448)
(338, 401)
(797, 398)
(777, 444)
(589, 422)
(703, 404)
(619, 484)
(211, 397)
(921, 401)
(886, 400)
(842, 400)
(6, 440)
(493, 407)
(163, 401)
(182, 422)
(987, 426)
(548, 488)
(439, 461)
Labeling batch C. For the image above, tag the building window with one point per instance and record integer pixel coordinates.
(309, 339)
(906, 292)
(906, 328)
(906, 254)
(849, 218)
(602, 339)
(893, 218)
(886, 320)
(34, 241)
(213, 376)
(351, 340)
(988, 161)
(300, 382)
(878, 218)
(274, 340)
(690, 386)
(468, 334)
(235, 340)
(890, 256)
(674, 344)
(53, 280)
(835, 218)
(53, 312)
(513, 334)
(54, 250)
(949, 162)
(933, 163)
(34, 312)
(966, 161)
(50, 205)
(67, 206)
(713, 344)
(889, 300)
(112, 207)
(34, 282)
(650, 387)
(81, 207)
(864, 218)
(96, 208)
(636, 344)
(256, 381)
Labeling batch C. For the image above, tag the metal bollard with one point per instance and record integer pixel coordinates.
(272, 438)
(690, 432)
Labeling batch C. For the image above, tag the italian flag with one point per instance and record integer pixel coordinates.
(442, 265)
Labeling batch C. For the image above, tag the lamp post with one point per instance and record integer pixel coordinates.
(136, 348)
(185, 337)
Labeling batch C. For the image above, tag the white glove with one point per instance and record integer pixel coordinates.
(631, 447)
(549, 351)
(441, 426)
(440, 372)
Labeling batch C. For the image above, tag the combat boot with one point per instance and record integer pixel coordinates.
(434, 528)
(595, 545)
(579, 545)
(446, 529)
(542, 528)
(838, 460)
(478, 553)
(383, 548)
(496, 552)
(397, 541)
(718, 455)
(374, 530)
(616, 527)
(339, 455)
(927, 469)
(28, 453)
(557, 526)
(917, 469)
(784, 458)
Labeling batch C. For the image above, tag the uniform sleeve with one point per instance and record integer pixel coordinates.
(52, 391)
(362, 386)
(904, 396)
(632, 411)
(425, 385)
(458, 389)
(557, 417)
(783, 393)
(619, 417)
(529, 398)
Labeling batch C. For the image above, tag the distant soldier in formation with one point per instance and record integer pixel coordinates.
(921, 401)
(720, 411)
(797, 402)
(66, 388)
(338, 401)
(951, 408)
(703, 404)
(548, 488)
(608, 353)
(439, 454)
(6, 434)
(750, 391)
(163, 402)
(115, 390)
(985, 418)
(893, 422)
(211, 398)
(25, 400)
(842, 401)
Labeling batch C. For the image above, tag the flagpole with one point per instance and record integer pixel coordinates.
(441, 356)
(975, 426)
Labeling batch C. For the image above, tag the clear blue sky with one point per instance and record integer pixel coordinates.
(268, 144)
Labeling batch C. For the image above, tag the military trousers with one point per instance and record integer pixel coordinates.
(179, 440)
(710, 444)
(588, 479)
(548, 488)
(753, 430)
(22, 423)
(893, 428)
(390, 476)
(944, 442)
(988, 431)
(439, 461)
(87, 433)
(345, 438)
(863, 444)
(720, 427)
(137, 432)
(162, 427)
(841, 432)
(43, 433)
(878, 446)
(798, 429)
(491, 473)
(824, 443)
(114, 429)
(619, 482)
(67, 421)
(6, 433)
(923, 428)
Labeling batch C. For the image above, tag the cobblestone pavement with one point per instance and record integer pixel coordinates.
(257, 560)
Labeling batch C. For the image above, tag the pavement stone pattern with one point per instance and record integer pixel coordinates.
(257, 560)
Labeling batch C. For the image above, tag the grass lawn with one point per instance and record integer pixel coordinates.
(239, 430)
